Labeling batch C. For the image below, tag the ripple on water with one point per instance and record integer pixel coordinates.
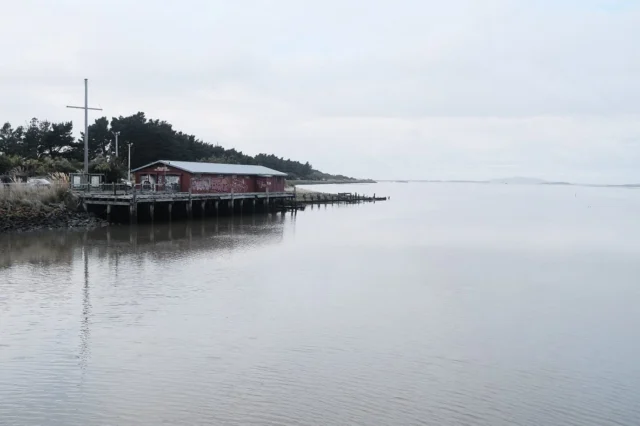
(438, 319)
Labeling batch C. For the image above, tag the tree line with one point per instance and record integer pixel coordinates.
(43, 147)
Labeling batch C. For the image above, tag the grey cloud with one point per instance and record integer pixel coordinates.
(377, 88)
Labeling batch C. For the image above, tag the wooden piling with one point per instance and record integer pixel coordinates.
(190, 206)
(133, 209)
(133, 213)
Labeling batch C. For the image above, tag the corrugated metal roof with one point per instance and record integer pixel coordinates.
(217, 169)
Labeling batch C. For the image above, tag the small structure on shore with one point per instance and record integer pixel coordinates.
(208, 178)
(206, 188)
(170, 189)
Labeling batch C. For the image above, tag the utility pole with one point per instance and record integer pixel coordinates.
(86, 126)
(129, 176)
(116, 135)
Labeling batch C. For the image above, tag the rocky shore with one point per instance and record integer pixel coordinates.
(32, 217)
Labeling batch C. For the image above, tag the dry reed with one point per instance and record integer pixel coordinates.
(24, 194)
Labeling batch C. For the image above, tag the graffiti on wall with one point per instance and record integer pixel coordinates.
(218, 184)
(263, 184)
(273, 184)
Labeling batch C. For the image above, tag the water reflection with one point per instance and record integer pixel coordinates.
(119, 253)
(491, 305)
(73, 302)
(85, 332)
(58, 247)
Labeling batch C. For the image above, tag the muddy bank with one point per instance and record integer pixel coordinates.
(24, 217)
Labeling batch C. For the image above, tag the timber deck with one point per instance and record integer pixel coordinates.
(106, 198)
(129, 202)
(107, 202)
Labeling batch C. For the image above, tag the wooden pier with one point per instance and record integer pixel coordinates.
(301, 200)
(121, 205)
(343, 197)
(177, 204)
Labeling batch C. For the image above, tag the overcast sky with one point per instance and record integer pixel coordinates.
(418, 89)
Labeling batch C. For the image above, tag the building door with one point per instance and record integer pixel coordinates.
(172, 183)
(148, 182)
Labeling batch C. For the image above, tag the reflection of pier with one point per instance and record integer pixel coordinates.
(102, 281)
(169, 205)
(198, 235)
(161, 239)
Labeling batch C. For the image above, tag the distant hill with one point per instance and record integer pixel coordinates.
(557, 183)
(523, 181)
(519, 181)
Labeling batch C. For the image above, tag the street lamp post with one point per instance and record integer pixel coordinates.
(129, 176)
(116, 135)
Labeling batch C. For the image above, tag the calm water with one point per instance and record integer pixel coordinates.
(450, 304)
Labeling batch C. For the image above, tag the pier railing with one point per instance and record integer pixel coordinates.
(114, 188)
(126, 188)
(157, 187)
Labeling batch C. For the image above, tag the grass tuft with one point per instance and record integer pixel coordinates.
(22, 194)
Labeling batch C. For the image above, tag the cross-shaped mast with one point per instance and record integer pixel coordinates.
(86, 125)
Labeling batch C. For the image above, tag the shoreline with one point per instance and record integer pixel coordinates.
(22, 218)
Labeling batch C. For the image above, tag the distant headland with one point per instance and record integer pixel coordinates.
(517, 180)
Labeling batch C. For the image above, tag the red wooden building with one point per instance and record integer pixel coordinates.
(201, 178)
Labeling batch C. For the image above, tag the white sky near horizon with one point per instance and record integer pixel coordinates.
(464, 89)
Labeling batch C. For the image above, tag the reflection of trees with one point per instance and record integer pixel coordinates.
(161, 240)
(93, 264)
(38, 249)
